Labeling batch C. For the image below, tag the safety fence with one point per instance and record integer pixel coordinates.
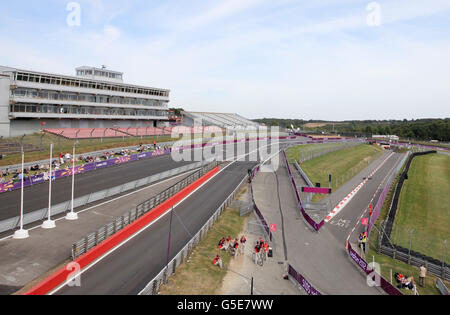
(324, 147)
(37, 215)
(153, 287)
(308, 219)
(305, 284)
(375, 277)
(84, 245)
(392, 233)
(307, 197)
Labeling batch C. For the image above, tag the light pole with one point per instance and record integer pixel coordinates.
(21, 233)
(71, 216)
(49, 224)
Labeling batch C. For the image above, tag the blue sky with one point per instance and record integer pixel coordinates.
(317, 59)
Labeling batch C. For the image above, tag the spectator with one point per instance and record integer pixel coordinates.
(243, 241)
(235, 248)
(422, 275)
(217, 261)
(222, 244)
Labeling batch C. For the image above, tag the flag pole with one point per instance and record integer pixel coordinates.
(21, 233)
(71, 216)
(49, 224)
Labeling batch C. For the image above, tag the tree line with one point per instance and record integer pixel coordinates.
(418, 129)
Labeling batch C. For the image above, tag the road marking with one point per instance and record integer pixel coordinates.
(350, 196)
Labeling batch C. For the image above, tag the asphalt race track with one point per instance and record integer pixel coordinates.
(132, 266)
(36, 197)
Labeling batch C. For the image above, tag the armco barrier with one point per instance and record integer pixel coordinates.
(62, 275)
(308, 219)
(309, 289)
(385, 285)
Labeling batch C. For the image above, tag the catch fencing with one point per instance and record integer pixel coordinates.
(84, 245)
(154, 286)
(38, 215)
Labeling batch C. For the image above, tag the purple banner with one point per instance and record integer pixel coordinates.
(361, 263)
(316, 190)
(303, 282)
(38, 179)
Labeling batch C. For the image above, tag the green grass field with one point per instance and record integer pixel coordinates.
(424, 206)
(342, 164)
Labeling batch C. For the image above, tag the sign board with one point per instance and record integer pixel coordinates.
(316, 190)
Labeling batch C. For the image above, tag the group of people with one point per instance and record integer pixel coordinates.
(261, 250)
(405, 282)
(234, 247)
(65, 160)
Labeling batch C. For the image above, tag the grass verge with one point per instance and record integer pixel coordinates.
(424, 206)
(342, 164)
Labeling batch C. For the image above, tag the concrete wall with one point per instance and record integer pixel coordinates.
(4, 105)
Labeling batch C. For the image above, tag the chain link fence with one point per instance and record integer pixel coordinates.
(84, 245)
(154, 286)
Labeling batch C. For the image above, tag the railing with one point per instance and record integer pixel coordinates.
(37, 215)
(154, 286)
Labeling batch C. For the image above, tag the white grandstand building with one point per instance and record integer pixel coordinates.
(94, 98)
(223, 120)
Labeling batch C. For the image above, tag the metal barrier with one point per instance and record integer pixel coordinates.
(441, 286)
(84, 245)
(154, 286)
(37, 215)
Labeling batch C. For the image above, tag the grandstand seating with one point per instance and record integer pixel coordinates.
(96, 133)
(223, 120)
(86, 133)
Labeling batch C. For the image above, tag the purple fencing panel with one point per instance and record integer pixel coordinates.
(263, 221)
(303, 282)
(361, 263)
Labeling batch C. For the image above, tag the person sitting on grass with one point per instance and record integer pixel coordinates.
(404, 281)
(222, 243)
(217, 261)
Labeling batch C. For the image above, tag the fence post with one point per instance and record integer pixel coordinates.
(409, 251)
(443, 260)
